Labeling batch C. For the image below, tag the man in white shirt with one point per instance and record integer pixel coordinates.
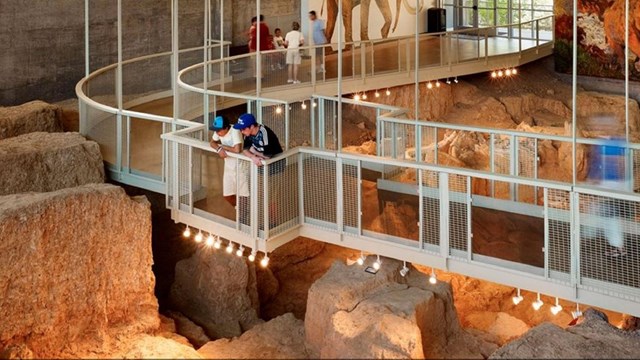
(293, 40)
(226, 139)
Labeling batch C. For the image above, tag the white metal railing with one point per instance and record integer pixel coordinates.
(560, 242)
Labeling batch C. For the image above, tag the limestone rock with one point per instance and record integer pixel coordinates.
(44, 162)
(544, 111)
(34, 116)
(19, 351)
(76, 269)
(354, 314)
(153, 347)
(502, 325)
(594, 338)
(293, 252)
(185, 327)
(593, 106)
(216, 291)
(279, 338)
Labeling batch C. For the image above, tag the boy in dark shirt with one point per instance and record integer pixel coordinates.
(260, 142)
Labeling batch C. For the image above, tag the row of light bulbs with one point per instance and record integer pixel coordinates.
(303, 106)
(215, 242)
(403, 272)
(436, 84)
(555, 309)
(377, 94)
(504, 73)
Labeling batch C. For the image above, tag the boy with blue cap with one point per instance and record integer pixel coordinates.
(260, 142)
(227, 139)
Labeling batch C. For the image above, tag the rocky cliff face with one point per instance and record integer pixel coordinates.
(44, 162)
(217, 291)
(76, 269)
(30, 117)
(594, 338)
(354, 314)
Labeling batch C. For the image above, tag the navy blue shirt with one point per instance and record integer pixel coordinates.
(265, 142)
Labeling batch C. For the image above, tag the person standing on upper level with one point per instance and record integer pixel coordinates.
(319, 38)
(293, 40)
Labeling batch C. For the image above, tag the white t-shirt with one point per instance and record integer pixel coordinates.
(230, 183)
(278, 42)
(293, 39)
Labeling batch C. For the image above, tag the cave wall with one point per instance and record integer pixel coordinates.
(43, 41)
(600, 38)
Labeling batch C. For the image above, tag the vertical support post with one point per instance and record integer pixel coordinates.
(418, 135)
(492, 162)
(258, 52)
(421, 239)
(536, 161)
(265, 202)
(339, 195)
(205, 68)
(312, 109)
(574, 207)
(379, 129)
(574, 92)
(174, 173)
(340, 41)
(435, 146)
(628, 152)
(190, 178)
(363, 60)
(513, 166)
(416, 87)
(301, 188)
(119, 68)
(469, 204)
(359, 210)
(253, 213)
(321, 123)
(546, 233)
(128, 147)
(287, 126)
(223, 70)
(119, 132)
(443, 188)
(175, 63)
(87, 67)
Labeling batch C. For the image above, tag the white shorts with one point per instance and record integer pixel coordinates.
(293, 57)
(231, 182)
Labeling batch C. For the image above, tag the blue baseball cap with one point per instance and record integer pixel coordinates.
(219, 123)
(244, 121)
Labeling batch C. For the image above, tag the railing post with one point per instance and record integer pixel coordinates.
(546, 249)
(127, 150)
(265, 202)
(363, 60)
(119, 134)
(492, 161)
(359, 195)
(190, 178)
(253, 205)
(421, 239)
(469, 200)
(286, 125)
(513, 166)
(443, 188)
(574, 207)
(486, 48)
(339, 196)
(301, 188)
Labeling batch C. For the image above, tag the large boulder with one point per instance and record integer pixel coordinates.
(44, 162)
(217, 291)
(279, 338)
(594, 338)
(154, 347)
(76, 269)
(605, 114)
(354, 314)
(34, 116)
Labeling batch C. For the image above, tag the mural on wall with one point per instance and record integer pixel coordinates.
(367, 19)
(601, 43)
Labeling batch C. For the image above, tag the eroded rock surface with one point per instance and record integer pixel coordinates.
(354, 314)
(34, 116)
(44, 162)
(594, 338)
(279, 338)
(216, 291)
(76, 270)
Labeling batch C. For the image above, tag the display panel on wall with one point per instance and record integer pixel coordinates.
(600, 37)
(369, 19)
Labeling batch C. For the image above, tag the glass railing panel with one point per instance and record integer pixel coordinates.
(145, 147)
(102, 88)
(101, 127)
(146, 80)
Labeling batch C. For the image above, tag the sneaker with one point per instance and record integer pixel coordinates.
(616, 252)
(289, 81)
(296, 81)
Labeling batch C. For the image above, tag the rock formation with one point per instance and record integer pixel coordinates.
(216, 291)
(279, 338)
(76, 270)
(44, 162)
(354, 314)
(31, 117)
(594, 338)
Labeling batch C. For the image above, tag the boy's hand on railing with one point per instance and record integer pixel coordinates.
(222, 152)
(256, 160)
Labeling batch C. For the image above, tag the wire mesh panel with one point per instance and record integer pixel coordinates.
(169, 172)
(609, 245)
(430, 208)
(527, 167)
(300, 124)
(101, 128)
(102, 88)
(350, 184)
(635, 170)
(559, 233)
(183, 167)
(502, 152)
(458, 216)
(319, 186)
(325, 124)
(244, 185)
(398, 204)
(428, 144)
(274, 117)
(282, 207)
